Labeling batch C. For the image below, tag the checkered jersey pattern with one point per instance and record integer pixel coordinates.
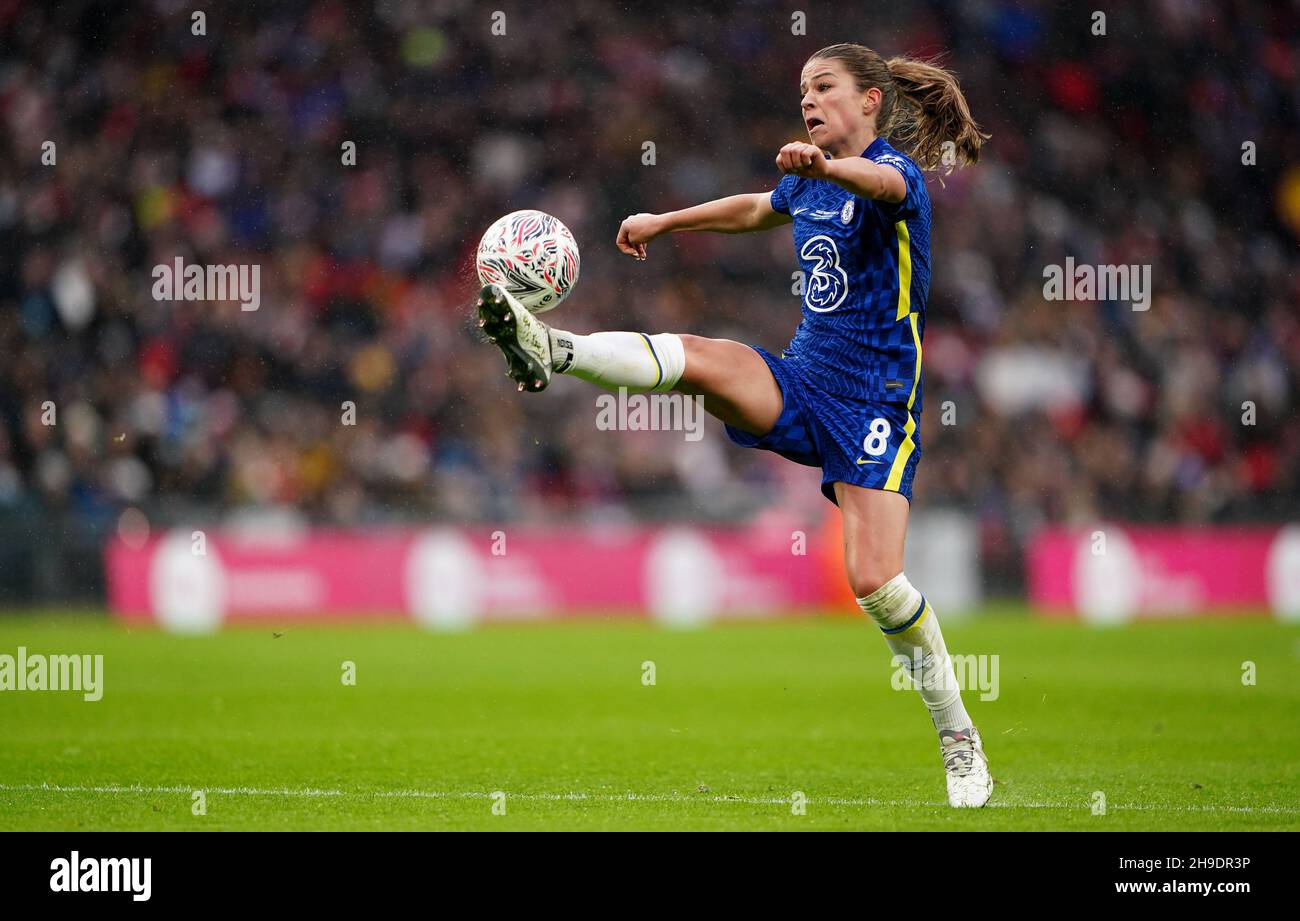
(851, 342)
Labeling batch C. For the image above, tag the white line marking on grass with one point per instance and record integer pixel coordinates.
(313, 793)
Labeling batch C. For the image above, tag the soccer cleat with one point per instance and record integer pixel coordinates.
(967, 767)
(521, 337)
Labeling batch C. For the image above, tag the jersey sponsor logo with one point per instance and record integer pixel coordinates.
(827, 284)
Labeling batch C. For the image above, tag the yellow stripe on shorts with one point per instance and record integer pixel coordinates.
(904, 452)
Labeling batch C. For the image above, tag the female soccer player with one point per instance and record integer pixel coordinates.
(845, 395)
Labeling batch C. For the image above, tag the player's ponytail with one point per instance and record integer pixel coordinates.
(922, 108)
(929, 112)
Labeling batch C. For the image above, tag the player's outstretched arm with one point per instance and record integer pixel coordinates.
(857, 174)
(733, 214)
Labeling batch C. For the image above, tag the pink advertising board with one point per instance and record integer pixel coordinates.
(453, 577)
(1110, 573)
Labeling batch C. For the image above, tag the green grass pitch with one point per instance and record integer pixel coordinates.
(1155, 717)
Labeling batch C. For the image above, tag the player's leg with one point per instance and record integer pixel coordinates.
(736, 384)
(875, 528)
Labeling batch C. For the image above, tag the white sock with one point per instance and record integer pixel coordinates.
(613, 360)
(912, 632)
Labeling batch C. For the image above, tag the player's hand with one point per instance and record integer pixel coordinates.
(635, 232)
(802, 160)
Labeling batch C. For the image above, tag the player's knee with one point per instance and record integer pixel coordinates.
(700, 361)
(710, 366)
(868, 575)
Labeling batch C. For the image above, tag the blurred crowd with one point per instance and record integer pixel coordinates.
(359, 392)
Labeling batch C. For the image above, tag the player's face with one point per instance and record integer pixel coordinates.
(832, 104)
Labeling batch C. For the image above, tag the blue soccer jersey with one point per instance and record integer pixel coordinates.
(866, 271)
(851, 377)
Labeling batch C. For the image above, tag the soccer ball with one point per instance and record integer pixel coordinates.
(533, 256)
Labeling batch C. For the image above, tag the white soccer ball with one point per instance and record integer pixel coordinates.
(533, 256)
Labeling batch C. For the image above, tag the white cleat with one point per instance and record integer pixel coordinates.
(523, 339)
(969, 782)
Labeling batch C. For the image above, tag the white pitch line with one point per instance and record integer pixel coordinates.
(312, 793)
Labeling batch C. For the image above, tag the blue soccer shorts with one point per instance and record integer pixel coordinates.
(876, 445)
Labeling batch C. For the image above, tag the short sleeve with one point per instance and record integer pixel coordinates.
(909, 207)
(784, 193)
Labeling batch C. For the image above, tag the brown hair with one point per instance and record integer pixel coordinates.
(921, 105)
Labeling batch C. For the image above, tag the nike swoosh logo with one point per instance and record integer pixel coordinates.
(799, 211)
(861, 461)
